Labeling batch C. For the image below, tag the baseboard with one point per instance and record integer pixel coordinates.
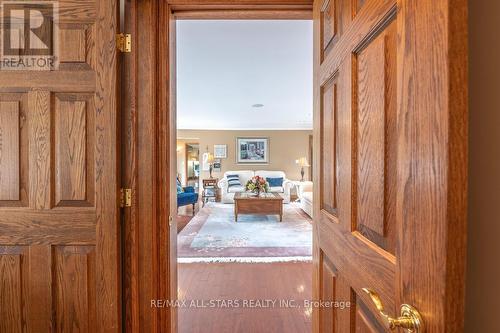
(243, 259)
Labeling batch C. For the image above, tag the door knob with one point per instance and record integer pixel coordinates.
(410, 319)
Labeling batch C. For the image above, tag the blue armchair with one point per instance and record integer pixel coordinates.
(186, 196)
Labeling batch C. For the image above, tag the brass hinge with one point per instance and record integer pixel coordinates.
(124, 42)
(125, 197)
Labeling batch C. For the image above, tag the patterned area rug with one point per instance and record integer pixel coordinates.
(213, 236)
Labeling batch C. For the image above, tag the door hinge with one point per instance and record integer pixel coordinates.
(125, 197)
(124, 42)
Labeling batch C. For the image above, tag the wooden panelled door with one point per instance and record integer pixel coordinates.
(390, 131)
(59, 209)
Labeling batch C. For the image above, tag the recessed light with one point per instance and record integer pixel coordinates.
(257, 105)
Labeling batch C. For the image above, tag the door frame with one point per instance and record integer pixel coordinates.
(149, 145)
(150, 136)
(186, 166)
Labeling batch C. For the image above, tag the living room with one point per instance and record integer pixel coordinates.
(224, 173)
(244, 159)
(233, 134)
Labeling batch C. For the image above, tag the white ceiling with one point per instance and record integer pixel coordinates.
(225, 67)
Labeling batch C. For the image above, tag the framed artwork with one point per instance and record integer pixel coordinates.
(217, 165)
(252, 150)
(220, 151)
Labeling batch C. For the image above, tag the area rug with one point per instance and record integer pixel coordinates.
(213, 236)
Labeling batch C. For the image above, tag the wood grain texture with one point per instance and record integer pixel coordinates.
(258, 205)
(52, 226)
(370, 140)
(242, 14)
(245, 281)
(106, 170)
(362, 91)
(40, 289)
(129, 160)
(328, 22)
(317, 156)
(334, 20)
(65, 274)
(143, 239)
(356, 32)
(329, 150)
(364, 321)
(19, 153)
(62, 80)
(11, 292)
(70, 142)
(40, 150)
(74, 41)
(75, 309)
(227, 4)
(77, 11)
(432, 160)
(358, 4)
(78, 53)
(170, 233)
(408, 165)
(328, 293)
(9, 150)
(375, 141)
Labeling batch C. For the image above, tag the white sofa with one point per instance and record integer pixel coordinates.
(305, 194)
(227, 195)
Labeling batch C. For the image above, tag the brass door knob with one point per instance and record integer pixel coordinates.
(410, 319)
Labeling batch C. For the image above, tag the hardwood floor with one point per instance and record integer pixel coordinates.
(236, 281)
(185, 214)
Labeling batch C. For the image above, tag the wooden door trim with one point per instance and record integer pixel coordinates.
(141, 224)
(129, 175)
(166, 144)
(151, 274)
(206, 13)
(443, 133)
(162, 13)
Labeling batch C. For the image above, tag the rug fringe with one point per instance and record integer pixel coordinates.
(243, 259)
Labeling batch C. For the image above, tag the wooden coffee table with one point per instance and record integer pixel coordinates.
(265, 204)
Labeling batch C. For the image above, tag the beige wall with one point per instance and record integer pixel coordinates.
(285, 147)
(483, 273)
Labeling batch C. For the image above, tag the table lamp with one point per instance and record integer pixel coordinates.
(303, 163)
(210, 161)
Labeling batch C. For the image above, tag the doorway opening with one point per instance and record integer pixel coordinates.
(244, 173)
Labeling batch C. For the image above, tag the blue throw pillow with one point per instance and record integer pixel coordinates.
(179, 189)
(233, 180)
(275, 182)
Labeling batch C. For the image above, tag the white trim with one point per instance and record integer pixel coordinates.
(243, 259)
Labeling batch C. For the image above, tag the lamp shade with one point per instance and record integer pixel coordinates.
(302, 162)
(210, 158)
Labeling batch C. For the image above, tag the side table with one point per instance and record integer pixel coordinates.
(210, 190)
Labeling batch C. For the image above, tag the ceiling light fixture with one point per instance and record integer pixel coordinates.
(257, 105)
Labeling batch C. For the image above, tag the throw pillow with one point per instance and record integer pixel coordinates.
(275, 182)
(233, 180)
